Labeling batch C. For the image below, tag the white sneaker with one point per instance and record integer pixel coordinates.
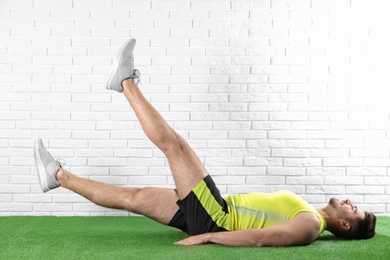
(123, 67)
(47, 167)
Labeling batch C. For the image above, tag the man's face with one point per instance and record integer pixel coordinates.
(346, 210)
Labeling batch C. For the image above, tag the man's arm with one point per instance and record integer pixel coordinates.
(301, 230)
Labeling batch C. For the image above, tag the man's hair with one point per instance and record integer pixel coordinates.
(364, 229)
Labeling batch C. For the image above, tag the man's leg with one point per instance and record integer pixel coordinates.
(155, 203)
(186, 167)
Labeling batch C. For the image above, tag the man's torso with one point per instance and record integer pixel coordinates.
(261, 210)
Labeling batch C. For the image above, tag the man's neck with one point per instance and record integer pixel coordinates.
(327, 215)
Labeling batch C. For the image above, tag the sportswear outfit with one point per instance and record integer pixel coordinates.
(204, 210)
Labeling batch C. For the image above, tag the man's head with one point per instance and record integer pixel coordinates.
(350, 221)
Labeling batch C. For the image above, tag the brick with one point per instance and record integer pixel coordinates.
(246, 170)
(343, 162)
(21, 78)
(8, 125)
(189, 15)
(14, 189)
(312, 199)
(15, 134)
(79, 134)
(377, 199)
(6, 198)
(329, 153)
(16, 207)
(50, 97)
(303, 162)
(366, 171)
(88, 98)
(3, 143)
(238, 116)
(267, 180)
(291, 134)
(57, 134)
(352, 143)
(33, 69)
(369, 153)
(326, 190)
(211, 24)
(303, 180)
(263, 161)
(170, 42)
(51, 79)
(228, 180)
(222, 162)
(384, 162)
(365, 190)
(68, 198)
(204, 134)
(146, 180)
(213, 153)
(15, 115)
(89, 170)
(51, 207)
(229, 14)
(343, 181)
(241, 79)
(133, 153)
(113, 180)
(232, 125)
(186, 33)
(226, 143)
(36, 125)
(240, 189)
(107, 162)
(146, 162)
(68, 144)
(293, 188)
(4, 161)
(107, 144)
(267, 107)
(377, 181)
(23, 3)
(29, 32)
(249, 134)
(290, 153)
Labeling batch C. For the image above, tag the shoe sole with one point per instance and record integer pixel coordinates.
(115, 66)
(40, 169)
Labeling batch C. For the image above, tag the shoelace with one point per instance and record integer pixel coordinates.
(61, 161)
(136, 74)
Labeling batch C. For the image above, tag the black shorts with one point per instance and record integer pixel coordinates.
(202, 211)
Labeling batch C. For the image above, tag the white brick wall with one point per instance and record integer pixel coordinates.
(272, 94)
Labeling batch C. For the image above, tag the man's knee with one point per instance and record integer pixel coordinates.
(131, 198)
(177, 145)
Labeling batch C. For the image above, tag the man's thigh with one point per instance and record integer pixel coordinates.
(186, 167)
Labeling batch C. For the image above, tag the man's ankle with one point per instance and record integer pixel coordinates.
(128, 85)
(61, 175)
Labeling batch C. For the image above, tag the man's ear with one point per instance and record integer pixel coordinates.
(345, 225)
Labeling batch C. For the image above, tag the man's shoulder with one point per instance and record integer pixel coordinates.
(309, 219)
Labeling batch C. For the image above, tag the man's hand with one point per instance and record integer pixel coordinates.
(194, 240)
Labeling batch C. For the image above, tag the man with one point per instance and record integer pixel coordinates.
(196, 206)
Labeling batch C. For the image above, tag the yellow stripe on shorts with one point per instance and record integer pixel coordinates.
(212, 207)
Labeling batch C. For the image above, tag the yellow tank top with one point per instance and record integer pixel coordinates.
(261, 210)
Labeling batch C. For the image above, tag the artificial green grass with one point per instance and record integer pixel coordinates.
(141, 238)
